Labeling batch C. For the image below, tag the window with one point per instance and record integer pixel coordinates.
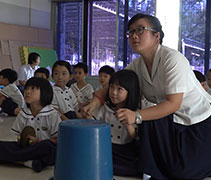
(108, 20)
(69, 28)
(193, 32)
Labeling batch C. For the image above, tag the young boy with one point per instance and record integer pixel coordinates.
(201, 78)
(42, 73)
(10, 96)
(208, 79)
(82, 90)
(105, 73)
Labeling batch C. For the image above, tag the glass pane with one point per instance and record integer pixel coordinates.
(69, 27)
(193, 32)
(103, 34)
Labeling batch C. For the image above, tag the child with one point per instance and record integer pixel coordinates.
(64, 99)
(82, 90)
(105, 73)
(208, 79)
(44, 119)
(10, 96)
(201, 78)
(42, 73)
(123, 93)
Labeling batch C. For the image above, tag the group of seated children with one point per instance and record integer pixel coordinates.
(42, 107)
(39, 111)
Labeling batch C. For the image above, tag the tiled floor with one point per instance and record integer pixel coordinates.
(16, 172)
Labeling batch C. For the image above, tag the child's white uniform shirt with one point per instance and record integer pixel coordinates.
(83, 95)
(98, 88)
(64, 100)
(45, 124)
(12, 91)
(119, 132)
(26, 71)
(172, 74)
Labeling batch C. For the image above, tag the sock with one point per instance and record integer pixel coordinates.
(28, 164)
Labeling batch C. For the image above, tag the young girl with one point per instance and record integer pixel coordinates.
(44, 119)
(123, 93)
(64, 99)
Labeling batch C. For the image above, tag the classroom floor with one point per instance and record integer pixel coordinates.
(17, 172)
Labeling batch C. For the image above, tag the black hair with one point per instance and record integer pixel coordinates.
(153, 21)
(10, 74)
(106, 69)
(199, 76)
(62, 63)
(33, 57)
(82, 66)
(46, 90)
(128, 79)
(43, 70)
(208, 72)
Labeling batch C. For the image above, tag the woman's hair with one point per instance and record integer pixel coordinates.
(46, 91)
(62, 63)
(127, 79)
(32, 57)
(153, 21)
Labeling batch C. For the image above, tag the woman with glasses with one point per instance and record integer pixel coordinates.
(175, 134)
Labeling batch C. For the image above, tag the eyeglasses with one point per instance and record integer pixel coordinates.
(138, 31)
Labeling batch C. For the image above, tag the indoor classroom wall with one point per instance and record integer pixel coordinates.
(23, 23)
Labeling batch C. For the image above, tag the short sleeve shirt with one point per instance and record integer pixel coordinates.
(83, 95)
(25, 72)
(12, 91)
(119, 132)
(45, 124)
(64, 100)
(172, 74)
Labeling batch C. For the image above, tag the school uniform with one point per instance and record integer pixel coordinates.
(177, 146)
(65, 101)
(98, 88)
(124, 147)
(46, 125)
(83, 95)
(12, 91)
(14, 99)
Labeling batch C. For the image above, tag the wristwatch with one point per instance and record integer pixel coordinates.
(138, 118)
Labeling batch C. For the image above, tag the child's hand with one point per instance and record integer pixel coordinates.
(126, 116)
(33, 140)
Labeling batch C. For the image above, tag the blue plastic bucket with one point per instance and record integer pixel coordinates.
(84, 151)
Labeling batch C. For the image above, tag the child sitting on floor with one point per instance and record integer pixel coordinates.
(105, 73)
(82, 90)
(64, 99)
(42, 73)
(10, 96)
(38, 114)
(124, 93)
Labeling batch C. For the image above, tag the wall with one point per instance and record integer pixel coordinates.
(23, 23)
(34, 13)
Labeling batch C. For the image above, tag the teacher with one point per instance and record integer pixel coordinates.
(175, 134)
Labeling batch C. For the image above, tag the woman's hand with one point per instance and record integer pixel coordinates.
(126, 116)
